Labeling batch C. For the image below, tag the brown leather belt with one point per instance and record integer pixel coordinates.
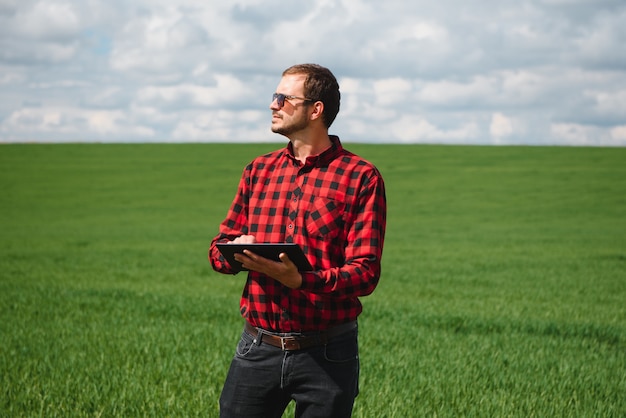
(298, 342)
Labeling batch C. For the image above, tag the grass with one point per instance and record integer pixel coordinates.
(503, 288)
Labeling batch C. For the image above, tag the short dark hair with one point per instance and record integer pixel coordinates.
(320, 85)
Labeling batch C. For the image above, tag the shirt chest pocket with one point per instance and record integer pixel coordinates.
(325, 218)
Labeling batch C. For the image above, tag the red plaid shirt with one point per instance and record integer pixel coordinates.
(334, 207)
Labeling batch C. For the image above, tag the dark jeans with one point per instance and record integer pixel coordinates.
(263, 379)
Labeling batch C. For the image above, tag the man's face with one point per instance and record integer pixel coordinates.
(293, 116)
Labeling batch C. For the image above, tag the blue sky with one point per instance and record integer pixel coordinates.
(541, 72)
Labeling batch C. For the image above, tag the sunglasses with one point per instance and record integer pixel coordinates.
(280, 98)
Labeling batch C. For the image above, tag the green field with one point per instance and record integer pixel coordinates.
(503, 291)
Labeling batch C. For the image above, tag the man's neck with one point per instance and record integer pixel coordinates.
(308, 147)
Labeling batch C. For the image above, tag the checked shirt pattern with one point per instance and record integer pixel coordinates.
(334, 207)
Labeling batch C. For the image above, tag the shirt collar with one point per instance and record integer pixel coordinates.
(322, 159)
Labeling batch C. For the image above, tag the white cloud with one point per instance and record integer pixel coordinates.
(392, 91)
(70, 124)
(454, 94)
(417, 31)
(618, 134)
(535, 72)
(224, 126)
(47, 21)
(500, 127)
(227, 90)
(409, 129)
(610, 103)
(586, 135)
(570, 133)
(161, 41)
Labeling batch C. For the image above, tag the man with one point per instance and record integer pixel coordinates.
(300, 334)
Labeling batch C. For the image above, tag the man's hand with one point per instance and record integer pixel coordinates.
(244, 239)
(283, 271)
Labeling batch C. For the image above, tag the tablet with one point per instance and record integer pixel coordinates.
(271, 251)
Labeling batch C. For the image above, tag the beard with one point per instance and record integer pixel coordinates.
(291, 126)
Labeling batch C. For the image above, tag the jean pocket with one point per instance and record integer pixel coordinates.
(245, 345)
(342, 349)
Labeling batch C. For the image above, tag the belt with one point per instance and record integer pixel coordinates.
(299, 342)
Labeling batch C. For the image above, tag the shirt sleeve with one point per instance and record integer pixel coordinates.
(234, 225)
(361, 271)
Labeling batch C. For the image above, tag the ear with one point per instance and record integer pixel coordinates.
(317, 110)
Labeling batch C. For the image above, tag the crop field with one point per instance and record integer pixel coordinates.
(503, 291)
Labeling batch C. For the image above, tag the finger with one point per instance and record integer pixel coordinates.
(250, 254)
(244, 239)
(253, 261)
(285, 258)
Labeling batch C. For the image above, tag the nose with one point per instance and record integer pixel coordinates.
(274, 105)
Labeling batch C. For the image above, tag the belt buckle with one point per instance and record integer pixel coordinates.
(289, 343)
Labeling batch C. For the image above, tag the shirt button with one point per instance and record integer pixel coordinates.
(290, 226)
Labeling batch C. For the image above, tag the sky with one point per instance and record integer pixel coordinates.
(497, 72)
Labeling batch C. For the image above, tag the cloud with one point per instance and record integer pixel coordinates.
(158, 43)
(68, 123)
(227, 90)
(47, 21)
(618, 134)
(528, 72)
(500, 127)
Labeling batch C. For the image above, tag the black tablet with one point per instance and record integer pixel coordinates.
(271, 251)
